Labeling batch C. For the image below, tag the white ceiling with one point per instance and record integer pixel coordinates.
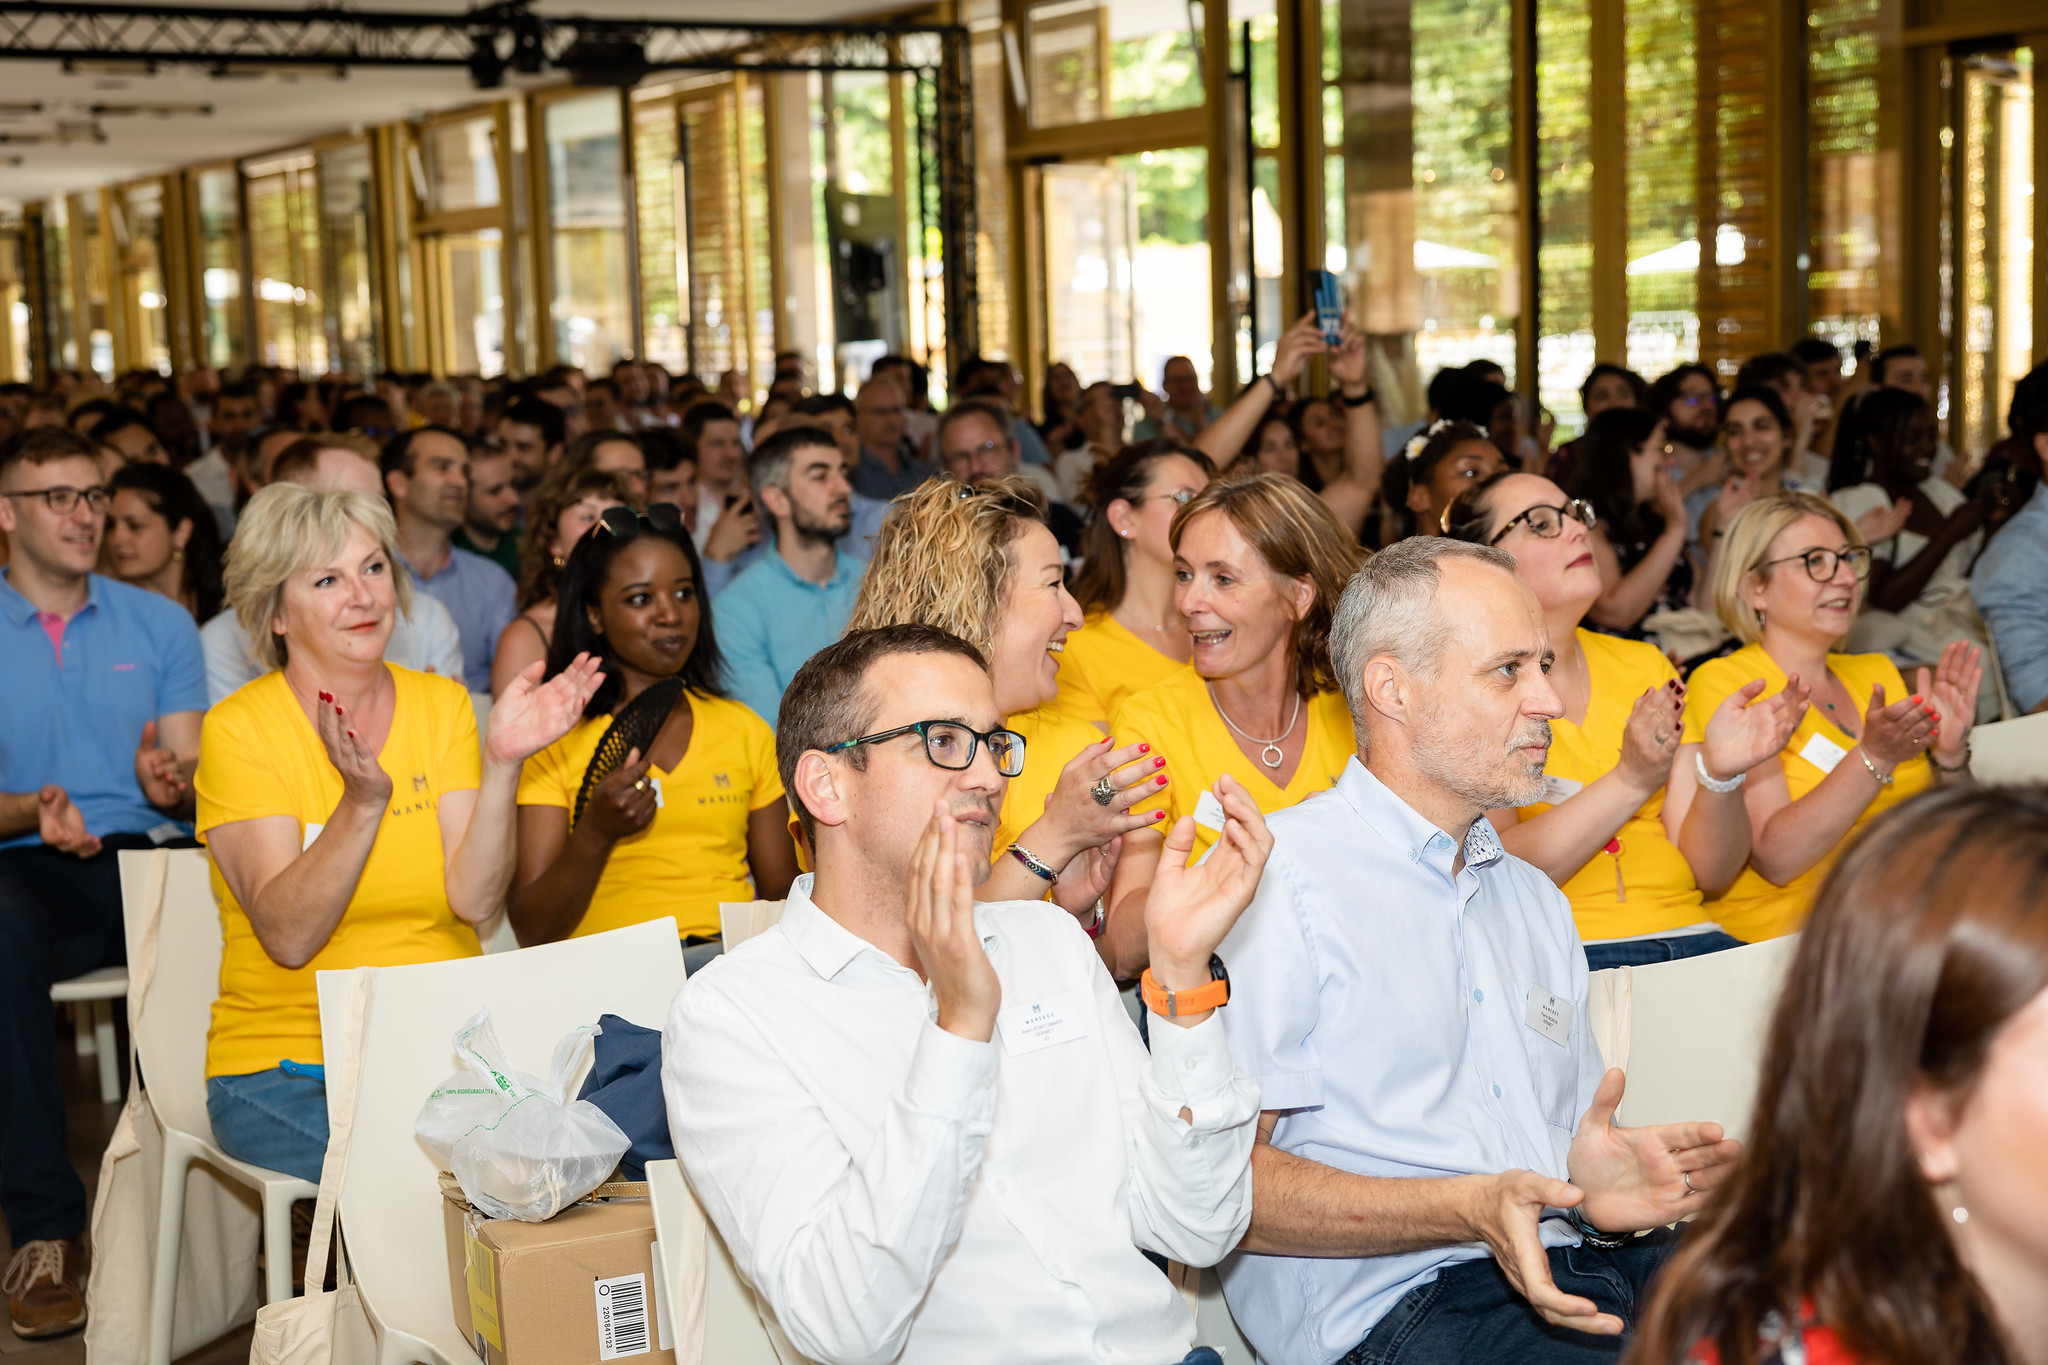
(257, 114)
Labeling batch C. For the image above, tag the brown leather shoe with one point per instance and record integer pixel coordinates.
(45, 1284)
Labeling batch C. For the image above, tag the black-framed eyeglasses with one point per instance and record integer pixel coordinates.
(1821, 565)
(1546, 523)
(63, 499)
(625, 523)
(950, 744)
(985, 448)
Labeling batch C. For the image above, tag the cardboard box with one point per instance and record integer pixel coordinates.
(579, 1289)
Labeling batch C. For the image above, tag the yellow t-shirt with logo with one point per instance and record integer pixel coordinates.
(1754, 908)
(259, 755)
(1103, 663)
(1180, 722)
(694, 855)
(1656, 879)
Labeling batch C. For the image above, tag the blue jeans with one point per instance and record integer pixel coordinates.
(271, 1119)
(1644, 951)
(698, 951)
(1470, 1314)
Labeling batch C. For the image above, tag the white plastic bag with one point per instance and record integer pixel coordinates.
(519, 1147)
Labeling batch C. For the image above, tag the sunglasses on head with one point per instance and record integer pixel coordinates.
(625, 523)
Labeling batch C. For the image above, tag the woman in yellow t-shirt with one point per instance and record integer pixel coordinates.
(1130, 635)
(1788, 583)
(351, 817)
(978, 560)
(1624, 827)
(682, 826)
(1259, 563)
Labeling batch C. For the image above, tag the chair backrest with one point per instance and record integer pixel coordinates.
(739, 921)
(1690, 1034)
(2010, 752)
(390, 1194)
(733, 1331)
(171, 1018)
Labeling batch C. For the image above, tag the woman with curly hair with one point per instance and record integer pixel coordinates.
(977, 560)
(568, 503)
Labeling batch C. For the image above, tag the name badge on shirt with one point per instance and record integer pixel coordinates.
(1209, 811)
(654, 784)
(1822, 752)
(1557, 790)
(1550, 1015)
(162, 834)
(312, 833)
(1061, 1018)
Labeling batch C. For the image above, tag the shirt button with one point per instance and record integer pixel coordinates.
(1479, 996)
(1003, 1186)
(1191, 1063)
(1496, 1092)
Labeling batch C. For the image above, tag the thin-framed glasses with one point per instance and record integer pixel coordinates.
(625, 523)
(63, 499)
(985, 448)
(1821, 565)
(1181, 497)
(1546, 523)
(950, 744)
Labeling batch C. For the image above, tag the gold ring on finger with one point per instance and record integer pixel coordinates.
(641, 785)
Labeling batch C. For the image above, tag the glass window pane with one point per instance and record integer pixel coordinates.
(474, 303)
(1088, 225)
(1993, 167)
(1564, 291)
(284, 251)
(1733, 77)
(349, 251)
(220, 267)
(591, 310)
(57, 248)
(1841, 79)
(462, 165)
(993, 243)
(1090, 61)
(142, 274)
(1170, 262)
(656, 184)
(1663, 226)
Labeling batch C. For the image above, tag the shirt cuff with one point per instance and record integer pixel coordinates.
(1192, 1065)
(951, 1077)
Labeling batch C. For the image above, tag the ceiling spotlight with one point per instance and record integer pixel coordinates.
(609, 60)
(529, 43)
(486, 67)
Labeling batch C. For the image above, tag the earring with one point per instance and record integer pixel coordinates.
(560, 562)
(177, 554)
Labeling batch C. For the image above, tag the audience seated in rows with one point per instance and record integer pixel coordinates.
(2010, 580)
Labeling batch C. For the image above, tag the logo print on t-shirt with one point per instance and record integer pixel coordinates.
(721, 780)
(419, 782)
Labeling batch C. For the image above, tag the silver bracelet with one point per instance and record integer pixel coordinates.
(1883, 779)
(1723, 785)
(1039, 866)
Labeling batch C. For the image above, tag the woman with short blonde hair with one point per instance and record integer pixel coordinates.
(1789, 582)
(299, 528)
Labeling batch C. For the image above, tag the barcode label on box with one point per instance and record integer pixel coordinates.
(622, 1317)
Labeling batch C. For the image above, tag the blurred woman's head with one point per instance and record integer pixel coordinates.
(1893, 1179)
(1887, 436)
(1757, 431)
(567, 503)
(1272, 448)
(312, 575)
(1062, 389)
(1425, 478)
(1135, 495)
(1612, 386)
(157, 518)
(632, 597)
(1616, 471)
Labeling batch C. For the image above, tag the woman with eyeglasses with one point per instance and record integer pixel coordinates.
(978, 560)
(1130, 635)
(680, 825)
(1624, 826)
(1788, 585)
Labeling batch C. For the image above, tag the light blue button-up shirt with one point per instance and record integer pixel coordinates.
(1381, 1002)
(771, 619)
(2010, 584)
(481, 597)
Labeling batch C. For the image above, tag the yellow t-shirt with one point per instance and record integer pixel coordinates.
(694, 855)
(260, 756)
(1662, 894)
(1102, 664)
(1180, 722)
(1753, 908)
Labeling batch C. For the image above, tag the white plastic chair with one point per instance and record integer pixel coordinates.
(1690, 1034)
(390, 1192)
(2011, 752)
(734, 1330)
(170, 1023)
(93, 1017)
(739, 921)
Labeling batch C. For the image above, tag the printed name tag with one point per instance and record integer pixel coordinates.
(164, 833)
(655, 784)
(1823, 753)
(1056, 1019)
(312, 833)
(1550, 1015)
(1557, 790)
(1209, 811)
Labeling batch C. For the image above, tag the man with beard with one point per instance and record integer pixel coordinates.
(426, 475)
(1438, 1175)
(1689, 401)
(793, 600)
(532, 433)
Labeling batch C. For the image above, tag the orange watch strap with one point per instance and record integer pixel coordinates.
(1173, 1004)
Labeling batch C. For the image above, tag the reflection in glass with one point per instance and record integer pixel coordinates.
(1170, 262)
(220, 266)
(1843, 300)
(348, 249)
(473, 302)
(1091, 61)
(591, 310)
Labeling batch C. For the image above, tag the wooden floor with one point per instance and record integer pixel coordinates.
(88, 1125)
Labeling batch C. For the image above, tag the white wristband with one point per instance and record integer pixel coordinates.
(1709, 781)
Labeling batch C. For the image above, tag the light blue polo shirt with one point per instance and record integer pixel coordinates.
(771, 619)
(78, 693)
(481, 597)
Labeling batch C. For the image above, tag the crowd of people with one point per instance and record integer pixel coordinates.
(1353, 745)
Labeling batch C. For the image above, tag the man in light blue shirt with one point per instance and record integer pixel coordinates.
(794, 600)
(426, 473)
(2010, 582)
(1411, 1000)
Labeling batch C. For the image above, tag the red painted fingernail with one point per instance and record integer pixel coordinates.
(324, 696)
(1144, 748)
(1158, 815)
(1161, 780)
(351, 734)
(1158, 762)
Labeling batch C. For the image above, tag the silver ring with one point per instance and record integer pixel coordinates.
(1686, 1176)
(1104, 791)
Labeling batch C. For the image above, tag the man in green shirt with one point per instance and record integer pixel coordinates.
(491, 526)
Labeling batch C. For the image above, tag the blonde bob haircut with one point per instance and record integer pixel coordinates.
(942, 558)
(1746, 546)
(286, 530)
(1297, 536)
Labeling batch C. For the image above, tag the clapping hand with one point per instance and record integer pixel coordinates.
(364, 782)
(1650, 739)
(1892, 734)
(1953, 690)
(158, 771)
(533, 714)
(1637, 1178)
(63, 827)
(941, 923)
(1880, 524)
(1085, 879)
(1190, 909)
(1740, 735)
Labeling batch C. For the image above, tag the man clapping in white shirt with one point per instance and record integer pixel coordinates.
(925, 1127)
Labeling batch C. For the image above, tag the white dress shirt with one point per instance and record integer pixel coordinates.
(898, 1193)
(1384, 1005)
(427, 642)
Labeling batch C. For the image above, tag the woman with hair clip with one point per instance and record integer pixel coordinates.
(977, 560)
(567, 503)
(1130, 635)
(1788, 585)
(1425, 477)
(1259, 564)
(683, 819)
(1626, 826)
(1890, 1202)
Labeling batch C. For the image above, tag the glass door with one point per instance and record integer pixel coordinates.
(1990, 202)
(468, 280)
(1090, 224)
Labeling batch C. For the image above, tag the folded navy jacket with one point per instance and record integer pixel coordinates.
(625, 1082)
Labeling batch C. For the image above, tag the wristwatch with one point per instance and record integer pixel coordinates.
(1371, 395)
(1592, 1235)
(1173, 1004)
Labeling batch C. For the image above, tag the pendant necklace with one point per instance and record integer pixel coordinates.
(1271, 754)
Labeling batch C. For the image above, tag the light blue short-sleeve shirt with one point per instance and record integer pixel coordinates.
(1382, 1003)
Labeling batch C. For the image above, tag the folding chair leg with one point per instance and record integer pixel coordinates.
(81, 1025)
(170, 1227)
(277, 1247)
(103, 1044)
